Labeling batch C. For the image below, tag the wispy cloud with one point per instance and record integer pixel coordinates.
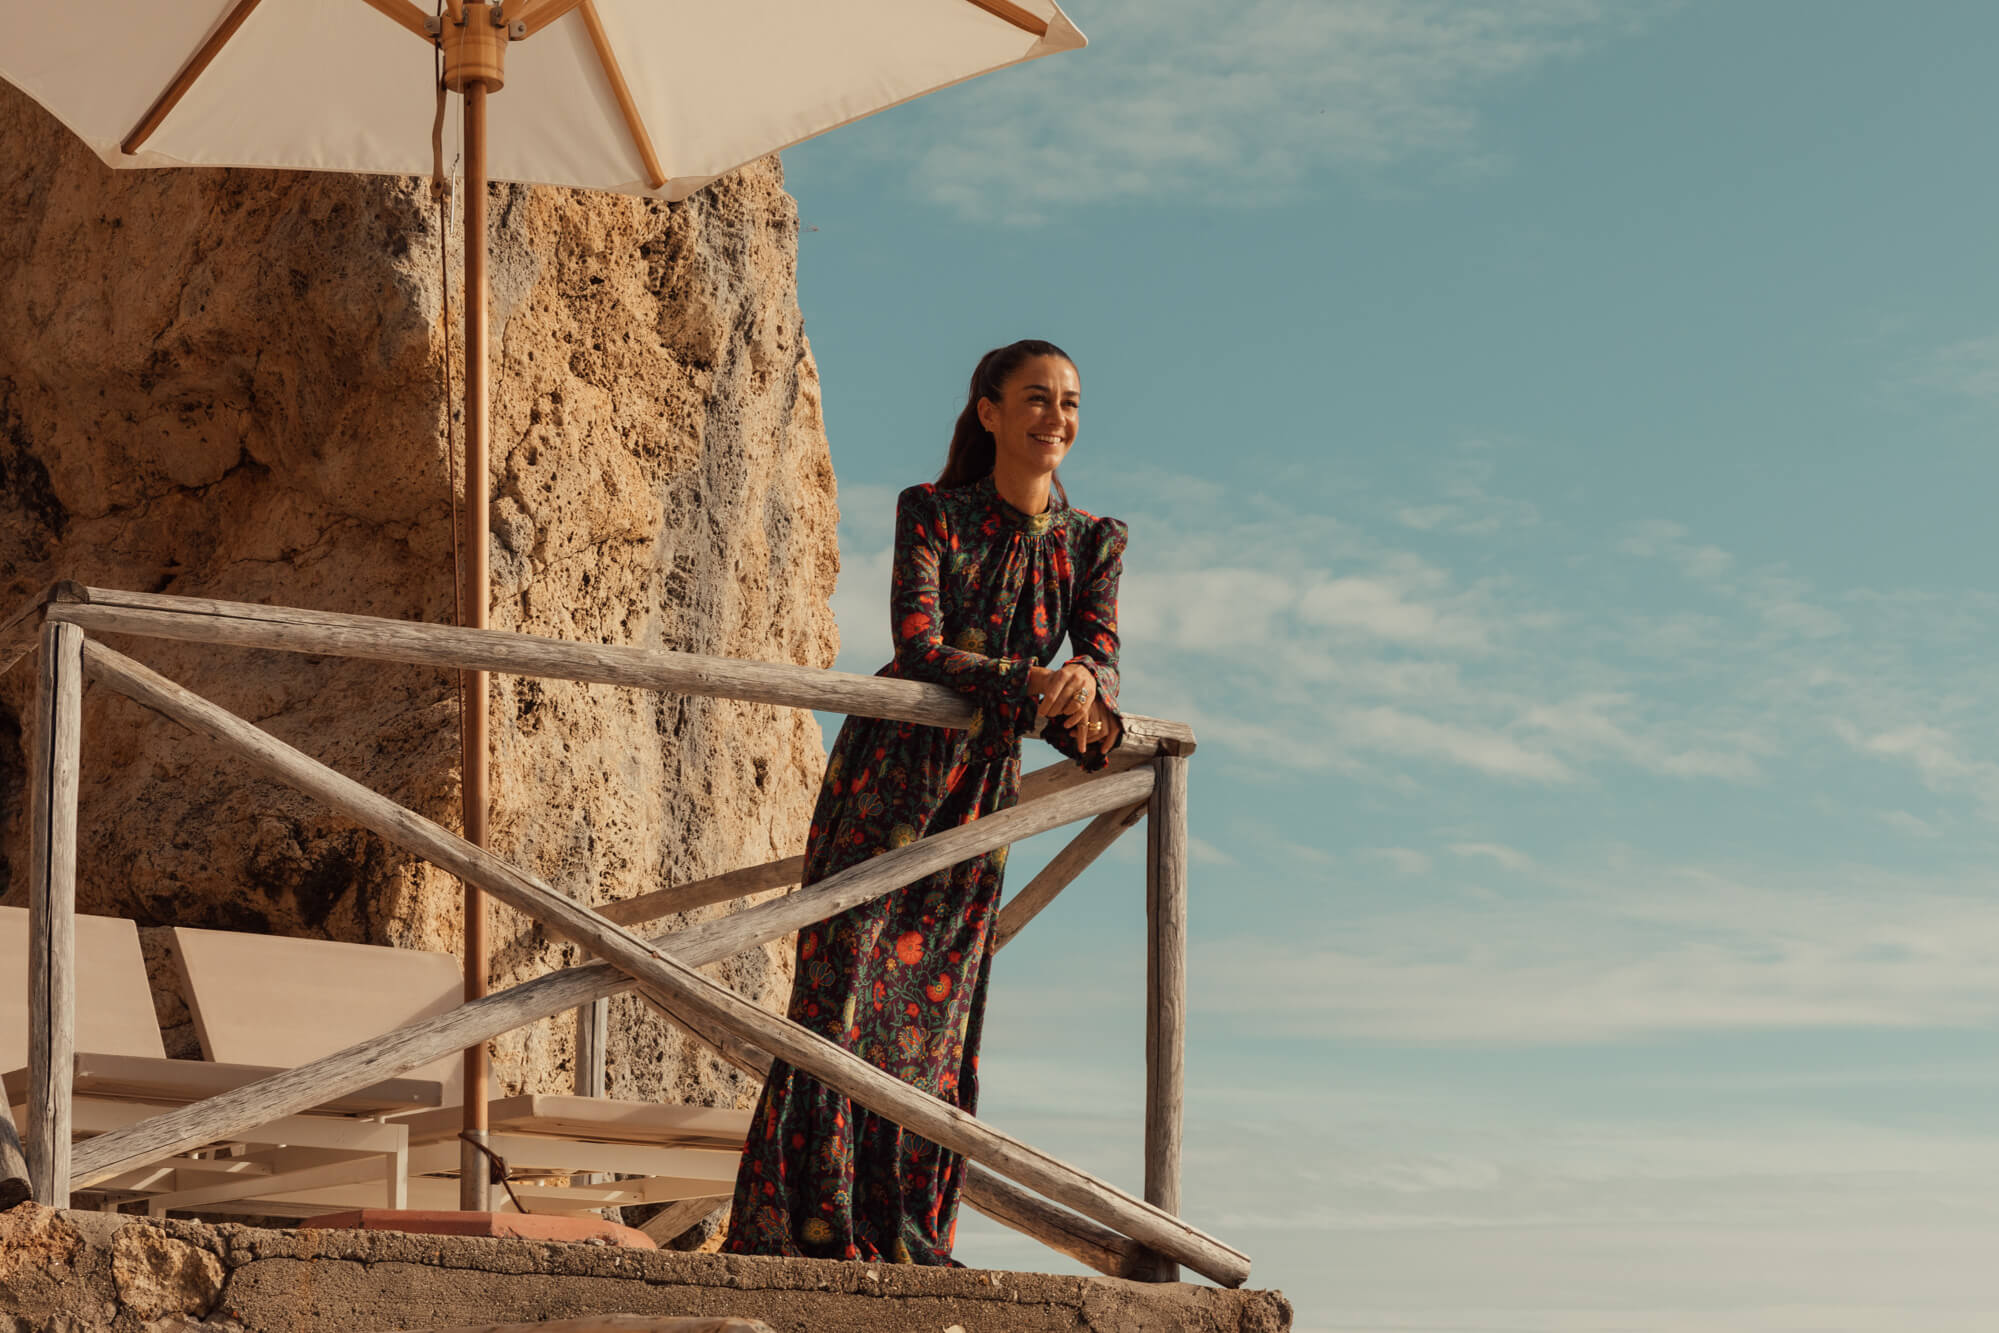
(1176, 97)
(1510, 1208)
(1508, 857)
(1405, 859)
(1937, 756)
(1658, 538)
(1970, 368)
(1611, 950)
(1312, 642)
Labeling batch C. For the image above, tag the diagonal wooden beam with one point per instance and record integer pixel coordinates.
(997, 1197)
(655, 175)
(720, 888)
(170, 96)
(1025, 20)
(15, 1186)
(686, 991)
(1061, 872)
(787, 873)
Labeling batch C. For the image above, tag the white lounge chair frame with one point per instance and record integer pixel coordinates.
(123, 1076)
(255, 997)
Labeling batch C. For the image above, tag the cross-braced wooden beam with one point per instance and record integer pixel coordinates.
(670, 978)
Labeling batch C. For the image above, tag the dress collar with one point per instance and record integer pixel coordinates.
(1034, 525)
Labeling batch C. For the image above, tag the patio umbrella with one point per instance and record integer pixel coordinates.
(652, 97)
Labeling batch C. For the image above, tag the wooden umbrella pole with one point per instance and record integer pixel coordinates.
(474, 1187)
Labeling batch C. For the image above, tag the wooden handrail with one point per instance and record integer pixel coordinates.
(375, 638)
(673, 980)
(429, 1039)
(341, 634)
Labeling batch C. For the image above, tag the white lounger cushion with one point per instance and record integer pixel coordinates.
(273, 1000)
(114, 1004)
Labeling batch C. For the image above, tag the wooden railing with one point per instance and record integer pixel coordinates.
(1009, 1181)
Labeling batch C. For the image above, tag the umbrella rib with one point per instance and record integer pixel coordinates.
(170, 96)
(1025, 20)
(406, 13)
(609, 60)
(538, 14)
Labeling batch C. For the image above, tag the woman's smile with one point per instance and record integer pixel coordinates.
(1033, 424)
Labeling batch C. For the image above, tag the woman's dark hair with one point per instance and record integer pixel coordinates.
(971, 455)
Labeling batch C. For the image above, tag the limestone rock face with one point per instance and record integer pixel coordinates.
(159, 1275)
(231, 384)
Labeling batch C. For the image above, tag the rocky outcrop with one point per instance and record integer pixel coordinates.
(232, 384)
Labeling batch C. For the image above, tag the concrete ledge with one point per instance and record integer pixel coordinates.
(75, 1272)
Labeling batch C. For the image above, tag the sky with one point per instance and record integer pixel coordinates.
(1556, 437)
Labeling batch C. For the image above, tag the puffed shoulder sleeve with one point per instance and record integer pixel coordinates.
(922, 542)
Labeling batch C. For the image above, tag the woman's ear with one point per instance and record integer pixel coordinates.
(988, 414)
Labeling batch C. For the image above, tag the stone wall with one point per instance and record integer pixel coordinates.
(83, 1272)
(230, 384)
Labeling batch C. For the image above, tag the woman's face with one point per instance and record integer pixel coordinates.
(1035, 421)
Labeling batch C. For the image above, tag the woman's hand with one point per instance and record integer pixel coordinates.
(1065, 694)
(1103, 730)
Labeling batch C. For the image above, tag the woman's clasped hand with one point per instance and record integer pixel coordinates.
(1068, 694)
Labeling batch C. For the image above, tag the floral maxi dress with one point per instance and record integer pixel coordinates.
(980, 592)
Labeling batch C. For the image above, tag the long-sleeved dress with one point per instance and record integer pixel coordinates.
(980, 592)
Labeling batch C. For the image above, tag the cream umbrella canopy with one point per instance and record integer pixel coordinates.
(651, 97)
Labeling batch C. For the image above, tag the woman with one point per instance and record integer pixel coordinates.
(992, 568)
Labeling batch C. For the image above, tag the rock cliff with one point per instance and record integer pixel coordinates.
(231, 384)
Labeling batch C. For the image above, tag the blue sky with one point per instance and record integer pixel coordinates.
(1557, 437)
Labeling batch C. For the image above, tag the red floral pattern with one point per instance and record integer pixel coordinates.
(980, 592)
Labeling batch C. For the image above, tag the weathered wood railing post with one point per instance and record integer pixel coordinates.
(593, 1031)
(1165, 988)
(593, 1026)
(52, 781)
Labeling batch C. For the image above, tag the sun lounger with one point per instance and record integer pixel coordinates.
(255, 996)
(121, 1074)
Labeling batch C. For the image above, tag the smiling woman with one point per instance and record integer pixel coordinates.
(993, 568)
